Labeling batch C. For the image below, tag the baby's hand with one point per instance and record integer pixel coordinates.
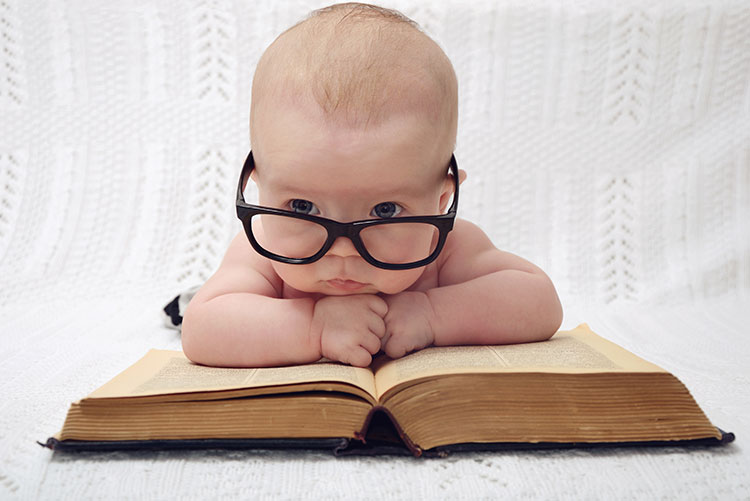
(407, 323)
(349, 327)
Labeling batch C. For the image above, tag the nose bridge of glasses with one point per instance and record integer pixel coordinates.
(343, 246)
(344, 239)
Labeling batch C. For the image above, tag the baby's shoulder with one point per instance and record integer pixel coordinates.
(466, 238)
(468, 253)
(248, 267)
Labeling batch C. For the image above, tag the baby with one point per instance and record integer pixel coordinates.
(353, 248)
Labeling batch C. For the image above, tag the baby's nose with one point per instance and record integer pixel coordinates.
(343, 247)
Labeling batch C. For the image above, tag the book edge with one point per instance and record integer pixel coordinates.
(341, 446)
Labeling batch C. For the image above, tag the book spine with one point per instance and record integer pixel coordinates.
(362, 434)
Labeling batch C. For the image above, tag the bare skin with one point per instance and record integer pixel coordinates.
(254, 312)
(352, 109)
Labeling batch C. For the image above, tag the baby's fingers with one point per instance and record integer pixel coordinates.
(384, 341)
(378, 305)
(358, 357)
(370, 343)
(395, 348)
(376, 325)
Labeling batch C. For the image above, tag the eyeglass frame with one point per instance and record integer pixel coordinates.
(336, 229)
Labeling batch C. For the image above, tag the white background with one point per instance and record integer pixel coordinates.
(608, 144)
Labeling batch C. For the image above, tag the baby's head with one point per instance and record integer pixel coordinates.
(353, 117)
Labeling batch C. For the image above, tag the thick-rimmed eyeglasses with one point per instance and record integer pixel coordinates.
(398, 243)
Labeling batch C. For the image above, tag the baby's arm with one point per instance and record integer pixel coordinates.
(485, 296)
(238, 319)
(233, 320)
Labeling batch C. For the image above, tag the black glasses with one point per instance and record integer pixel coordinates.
(398, 243)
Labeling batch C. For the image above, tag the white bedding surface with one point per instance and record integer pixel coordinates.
(704, 346)
(608, 143)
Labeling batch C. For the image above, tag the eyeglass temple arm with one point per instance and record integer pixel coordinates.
(247, 167)
(454, 172)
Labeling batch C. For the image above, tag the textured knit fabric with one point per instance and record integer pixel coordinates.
(607, 142)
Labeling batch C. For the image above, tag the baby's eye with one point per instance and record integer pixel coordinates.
(386, 210)
(303, 207)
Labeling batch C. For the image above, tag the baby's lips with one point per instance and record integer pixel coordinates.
(345, 284)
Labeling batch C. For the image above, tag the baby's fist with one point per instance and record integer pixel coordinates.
(350, 328)
(408, 323)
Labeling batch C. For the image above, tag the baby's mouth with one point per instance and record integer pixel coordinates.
(345, 285)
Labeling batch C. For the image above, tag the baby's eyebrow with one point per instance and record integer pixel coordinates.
(385, 193)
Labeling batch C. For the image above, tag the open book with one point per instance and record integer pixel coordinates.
(576, 388)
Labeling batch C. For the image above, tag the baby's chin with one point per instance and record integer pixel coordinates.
(336, 288)
(346, 288)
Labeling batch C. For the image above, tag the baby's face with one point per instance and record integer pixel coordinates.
(307, 165)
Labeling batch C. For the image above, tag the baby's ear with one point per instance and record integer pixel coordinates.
(252, 176)
(448, 185)
(461, 176)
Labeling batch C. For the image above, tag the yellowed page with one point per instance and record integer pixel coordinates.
(166, 372)
(579, 350)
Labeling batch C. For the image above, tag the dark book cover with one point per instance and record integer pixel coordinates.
(380, 435)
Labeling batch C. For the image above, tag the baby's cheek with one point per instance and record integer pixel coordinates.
(299, 277)
(393, 282)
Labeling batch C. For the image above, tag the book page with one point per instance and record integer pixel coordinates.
(166, 372)
(575, 351)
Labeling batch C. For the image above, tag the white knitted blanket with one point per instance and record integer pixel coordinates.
(608, 143)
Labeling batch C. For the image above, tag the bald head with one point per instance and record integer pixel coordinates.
(358, 65)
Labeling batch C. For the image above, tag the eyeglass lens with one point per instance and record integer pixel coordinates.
(394, 243)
